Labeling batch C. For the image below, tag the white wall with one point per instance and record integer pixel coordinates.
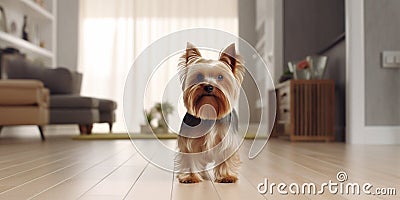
(67, 33)
(247, 26)
(278, 39)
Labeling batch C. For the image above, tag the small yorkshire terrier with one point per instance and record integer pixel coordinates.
(209, 129)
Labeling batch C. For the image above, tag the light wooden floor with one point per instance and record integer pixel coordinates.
(61, 168)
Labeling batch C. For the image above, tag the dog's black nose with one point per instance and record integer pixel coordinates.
(208, 88)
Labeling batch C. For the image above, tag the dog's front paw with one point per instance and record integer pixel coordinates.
(189, 178)
(227, 179)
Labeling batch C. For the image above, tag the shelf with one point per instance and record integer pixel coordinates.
(30, 8)
(25, 46)
(38, 9)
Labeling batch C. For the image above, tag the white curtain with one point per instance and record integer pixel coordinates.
(114, 32)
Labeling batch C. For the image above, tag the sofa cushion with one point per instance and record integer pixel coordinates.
(107, 117)
(73, 102)
(107, 105)
(74, 116)
(24, 115)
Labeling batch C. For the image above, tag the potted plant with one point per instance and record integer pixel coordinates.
(157, 118)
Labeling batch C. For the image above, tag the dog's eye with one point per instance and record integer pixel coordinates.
(220, 77)
(200, 77)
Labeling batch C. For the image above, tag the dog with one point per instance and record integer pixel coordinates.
(208, 133)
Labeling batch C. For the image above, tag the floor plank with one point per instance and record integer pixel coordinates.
(62, 168)
(78, 185)
(265, 166)
(28, 184)
(356, 172)
(119, 182)
(154, 183)
(242, 189)
(41, 162)
(198, 191)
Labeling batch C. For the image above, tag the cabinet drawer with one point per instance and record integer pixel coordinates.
(284, 95)
(284, 114)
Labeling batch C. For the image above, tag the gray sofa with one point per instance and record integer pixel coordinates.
(66, 104)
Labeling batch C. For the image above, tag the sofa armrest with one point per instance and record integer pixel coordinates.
(23, 92)
(62, 81)
(44, 95)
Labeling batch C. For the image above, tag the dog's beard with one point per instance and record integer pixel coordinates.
(206, 106)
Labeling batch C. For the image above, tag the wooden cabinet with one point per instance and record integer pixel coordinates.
(305, 110)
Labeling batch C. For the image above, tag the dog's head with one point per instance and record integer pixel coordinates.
(210, 87)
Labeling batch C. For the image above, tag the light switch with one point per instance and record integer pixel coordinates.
(397, 59)
(391, 59)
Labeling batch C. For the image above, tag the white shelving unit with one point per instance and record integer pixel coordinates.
(37, 10)
(41, 21)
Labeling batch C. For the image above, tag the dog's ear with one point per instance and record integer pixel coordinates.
(191, 53)
(229, 56)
